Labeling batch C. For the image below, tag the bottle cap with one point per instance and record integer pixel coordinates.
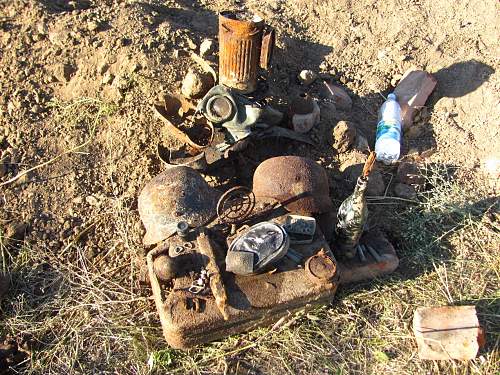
(391, 96)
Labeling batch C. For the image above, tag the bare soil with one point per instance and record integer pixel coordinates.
(78, 79)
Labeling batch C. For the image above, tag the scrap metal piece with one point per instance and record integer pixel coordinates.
(448, 332)
(216, 285)
(172, 114)
(320, 268)
(177, 194)
(299, 183)
(235, 205)
(172, 159)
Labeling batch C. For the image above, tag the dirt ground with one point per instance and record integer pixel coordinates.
(77, 82)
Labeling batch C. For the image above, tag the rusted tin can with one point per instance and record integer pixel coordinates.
(245, 43)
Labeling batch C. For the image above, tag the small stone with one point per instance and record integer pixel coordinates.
(42, 28)
(90, 199)
(191, 44)
(36, 109)
(306, 77)
(344, 135)
(64, 72)
(108, 78)
(92, 25)
(376, 184)
(102, 68)
(196, 85)
(206, 47)
(409, 174)
(341, 99)
(405, 191)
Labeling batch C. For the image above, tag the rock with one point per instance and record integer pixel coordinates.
(64, 72)
(405, 191)
(344, 135)
(409, 174)
(90, 199)
(376, 184)
(341, 99)
(207, 47)
(36, 109)
(448, 332)
(196, 85)
(306, 77)
(108, 78)
(102, 68)
(412, 93)
(191, 44)
(92, 25)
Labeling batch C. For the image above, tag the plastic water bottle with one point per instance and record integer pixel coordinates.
(388, 139)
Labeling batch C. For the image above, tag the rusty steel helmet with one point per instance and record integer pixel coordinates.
(180, 194)
(297, 182)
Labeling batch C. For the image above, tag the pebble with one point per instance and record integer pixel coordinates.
(90, 199)
(405, 191)
(307, 77)
(36, 109)
(92, 25)
(206, 47)
(108, 78)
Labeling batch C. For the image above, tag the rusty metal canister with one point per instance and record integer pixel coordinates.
(245, 43)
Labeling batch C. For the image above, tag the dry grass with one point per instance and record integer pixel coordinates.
(82, 316)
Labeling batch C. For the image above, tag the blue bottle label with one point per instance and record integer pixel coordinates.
(389, 129)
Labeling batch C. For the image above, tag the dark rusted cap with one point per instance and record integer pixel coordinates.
(320, 268)
(299, 183)
(178, 194)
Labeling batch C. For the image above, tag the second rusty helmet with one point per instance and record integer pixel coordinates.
(297, 182)
(178, 194)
